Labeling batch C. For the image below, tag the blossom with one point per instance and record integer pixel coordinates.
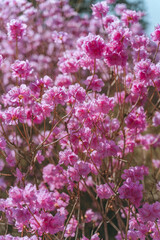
(67, 157)
(156, 34)
(135, 173)
(150, 212)
(130, 16)
(89, 215)
(94, 46)
(156, 119)
(2, 143)
(59, 37)
(132, 191)
(21, 69)
(13, 115)
(100, 9)
(94, 83)
(71, 227)
(39, 157)
(16, 29)
(17, 95)
(104, 190)
(10, 159)
(136, 120)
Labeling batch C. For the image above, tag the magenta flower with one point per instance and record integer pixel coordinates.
(89, 215)
(17, 95)
(156, 34)
(82, 168)
(16, 29)
(104, 190)
(94, 46)
(150, 212)
(130, 16)
(13, 115)
(40, 158)
(94, 83)
(71, 228)
(136, 120)
(21, 69)
(67, 157)
(2, 143)
(59, 37)
(52, 224)
(10, 159)
(131, 191)
(156, 119)
(100, 9)
(135, 173)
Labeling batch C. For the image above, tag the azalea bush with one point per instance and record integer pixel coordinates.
(79, 123)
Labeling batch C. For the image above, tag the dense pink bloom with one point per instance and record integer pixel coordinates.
(135, 173)
(39, 85)
(71, 227)
(114, 53)
(59, 37)
(17, 95)
(140, 42)
(21, 69)
(52, 224)
(67, 157)
(156, 119)
(104, 190)
(2, 143)
(138, 92)
(156, 34)
(13, 115)
(55, 95)
(10, 159)
(145, 70)
(136, 120)
(89, 215)
(108, 20)
(82, 168)
(94, 83)
(93, 45)
(100, 9)
(150, 212)
(131, 191)
(16, 29)
(39, 157)
(54, 176)
(76, 93)
(105, 104)
(74, 132)
(63, 80)
(130, 16)
(68, 63)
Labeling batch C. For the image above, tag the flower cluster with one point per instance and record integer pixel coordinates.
(79, 123)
